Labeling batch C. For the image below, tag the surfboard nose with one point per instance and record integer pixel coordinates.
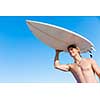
(28, 21)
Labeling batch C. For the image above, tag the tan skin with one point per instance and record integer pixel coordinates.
(83, 69)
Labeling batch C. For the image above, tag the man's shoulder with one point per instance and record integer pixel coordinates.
(89, 59)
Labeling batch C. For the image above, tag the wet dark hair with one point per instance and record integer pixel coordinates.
(71, 46)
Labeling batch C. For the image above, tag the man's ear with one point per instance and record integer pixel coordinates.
(78, 50)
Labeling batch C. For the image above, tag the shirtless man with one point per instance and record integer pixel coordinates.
(83, 69)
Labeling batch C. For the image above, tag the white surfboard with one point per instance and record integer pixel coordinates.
(58, 37)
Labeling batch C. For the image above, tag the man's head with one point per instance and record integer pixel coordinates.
(73, 50)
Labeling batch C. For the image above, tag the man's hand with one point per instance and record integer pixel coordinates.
(58, 51)
(57, 54)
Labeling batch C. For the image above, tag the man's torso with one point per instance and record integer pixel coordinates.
(83, 71)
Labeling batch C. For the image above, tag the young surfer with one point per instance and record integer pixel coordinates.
(83, 69)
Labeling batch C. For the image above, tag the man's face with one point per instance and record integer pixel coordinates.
(73, 51)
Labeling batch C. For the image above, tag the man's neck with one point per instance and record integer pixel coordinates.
(77, 58)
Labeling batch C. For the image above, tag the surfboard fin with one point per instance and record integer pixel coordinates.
(93, 48)
(90, 53)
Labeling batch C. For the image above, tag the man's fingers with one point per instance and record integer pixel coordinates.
(59, 50)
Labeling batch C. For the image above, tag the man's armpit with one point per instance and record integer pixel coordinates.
(68, 67)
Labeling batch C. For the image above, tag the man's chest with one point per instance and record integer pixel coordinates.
(83, 66)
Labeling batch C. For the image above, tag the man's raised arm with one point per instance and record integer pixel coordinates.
(63, 67)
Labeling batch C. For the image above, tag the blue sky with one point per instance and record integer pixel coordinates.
(24, 58)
